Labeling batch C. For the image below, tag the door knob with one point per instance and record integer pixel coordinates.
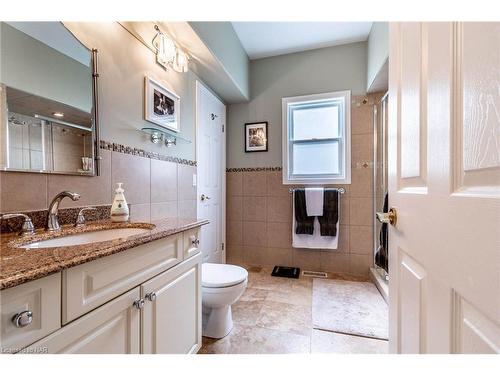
(390, 217)
(204, 197)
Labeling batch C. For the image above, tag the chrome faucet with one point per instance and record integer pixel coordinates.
(53, 214)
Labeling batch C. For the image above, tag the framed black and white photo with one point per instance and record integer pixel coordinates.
(161, 106)
(256, 136)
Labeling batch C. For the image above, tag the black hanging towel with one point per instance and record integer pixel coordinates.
(382, 254)
(328, 222)
(303, 224)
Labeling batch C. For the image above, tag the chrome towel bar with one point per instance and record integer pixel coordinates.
(340, 190)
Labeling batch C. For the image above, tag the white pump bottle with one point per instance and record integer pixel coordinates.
(119, 209)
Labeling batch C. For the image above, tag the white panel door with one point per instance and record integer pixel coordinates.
(171, 320)
(211, 161)
(444, 182)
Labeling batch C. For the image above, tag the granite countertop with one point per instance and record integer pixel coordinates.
(18, 265)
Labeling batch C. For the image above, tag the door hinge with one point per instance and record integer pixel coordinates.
(223, 128)
(222, 246)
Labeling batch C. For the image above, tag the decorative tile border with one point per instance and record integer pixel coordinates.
(255, 169)
(116, 147)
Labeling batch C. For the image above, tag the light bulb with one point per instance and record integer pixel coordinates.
(165, 50)
(180, 62)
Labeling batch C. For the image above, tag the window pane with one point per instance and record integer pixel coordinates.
(315, 122)
(316, 158)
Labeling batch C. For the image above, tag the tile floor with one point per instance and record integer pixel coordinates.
(274, 316)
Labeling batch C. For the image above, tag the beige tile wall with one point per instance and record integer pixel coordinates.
(259, 212)
(153, 188)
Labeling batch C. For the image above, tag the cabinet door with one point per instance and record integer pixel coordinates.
(111, 329)
(171, 321)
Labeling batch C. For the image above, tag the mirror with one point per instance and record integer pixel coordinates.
(47, 101)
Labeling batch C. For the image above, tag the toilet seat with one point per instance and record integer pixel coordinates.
(225, 290)
(214, 275)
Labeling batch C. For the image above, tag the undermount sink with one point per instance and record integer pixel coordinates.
(87, 237)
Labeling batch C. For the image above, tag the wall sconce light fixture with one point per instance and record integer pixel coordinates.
(168, 54)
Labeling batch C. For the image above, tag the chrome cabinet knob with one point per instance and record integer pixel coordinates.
(204, 197)
(139, 303)
(22, 319)
(195, 241)
(151, 296)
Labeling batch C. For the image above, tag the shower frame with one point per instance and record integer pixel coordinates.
(382, 103)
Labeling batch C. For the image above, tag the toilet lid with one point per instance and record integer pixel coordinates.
(221, 275)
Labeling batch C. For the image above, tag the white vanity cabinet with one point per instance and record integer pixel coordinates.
(143, 300)
(171, 317)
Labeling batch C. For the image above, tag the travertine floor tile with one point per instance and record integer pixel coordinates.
(253, 295)
(331, 342)
(261, 281)
(246, 312)
(285, 317)
(256, 340)
(296, 294)
(274, 316)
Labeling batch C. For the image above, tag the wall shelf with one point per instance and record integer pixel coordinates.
(168, 137)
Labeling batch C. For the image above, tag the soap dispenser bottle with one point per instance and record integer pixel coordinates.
(119, 209)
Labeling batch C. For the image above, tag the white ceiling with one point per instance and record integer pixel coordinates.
(264, 39)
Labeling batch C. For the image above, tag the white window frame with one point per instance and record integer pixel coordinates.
(344, 140)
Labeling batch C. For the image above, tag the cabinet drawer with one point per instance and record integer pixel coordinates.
(40, 297)
(191, 242)
(111, 329)
(92, 284)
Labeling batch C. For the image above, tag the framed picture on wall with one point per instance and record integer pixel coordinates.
(161, 106)
(256, 136)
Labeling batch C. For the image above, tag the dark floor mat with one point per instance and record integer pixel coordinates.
(282, 271)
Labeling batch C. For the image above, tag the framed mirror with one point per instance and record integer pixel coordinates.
(48, 100)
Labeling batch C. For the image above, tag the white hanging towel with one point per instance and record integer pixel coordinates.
(316, 241)
(314, 201)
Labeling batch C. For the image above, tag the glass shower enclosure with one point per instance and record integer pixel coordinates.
(380, 270)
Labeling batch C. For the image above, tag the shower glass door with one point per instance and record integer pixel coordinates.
(381, 249)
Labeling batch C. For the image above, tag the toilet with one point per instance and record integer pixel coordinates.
(221, 286)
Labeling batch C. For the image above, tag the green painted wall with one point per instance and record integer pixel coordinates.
(222, 41)
(310, 72)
